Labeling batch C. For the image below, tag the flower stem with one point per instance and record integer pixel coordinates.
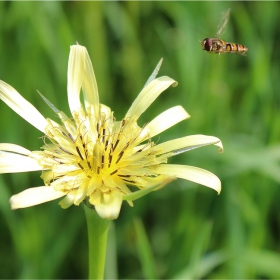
(97, 241)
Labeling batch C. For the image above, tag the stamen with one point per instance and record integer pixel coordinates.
(80, 155)
(123, 123)
(117, 142)
(65, 151)
(80, 166)
(110, 160)
(132, 182)
(114, 172)
(120, 156)
(102, 161)
(71, 137)
(64, 133)
(103, 135)
(89, 165)
(57, 159)
(106, 143)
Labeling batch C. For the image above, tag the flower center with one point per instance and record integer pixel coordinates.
(97, 154)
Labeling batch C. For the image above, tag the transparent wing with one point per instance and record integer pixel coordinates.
(223, 23)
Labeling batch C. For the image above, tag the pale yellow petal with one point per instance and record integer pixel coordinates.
(34, 196)
(81, 193)
(13, 163)
(184, 144)
(95, 197)
(110, 205)
(165, 120)
(21, 106)
(75, 77)
(68, 200)
(14, 148)
(89, 85)
(148, 95)
(191, 173)
(81, 75)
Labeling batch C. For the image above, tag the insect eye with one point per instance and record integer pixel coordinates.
(208, 44)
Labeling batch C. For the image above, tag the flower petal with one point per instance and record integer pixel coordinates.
(21, 106)
(184, 144)
(90, 90)
(191, 173)
(13, 163)
(165, 120)
(75, 77)
(110, 206)
(14, 148)
(148, 95)
(68, 200)
(34, 196)
(80, 74)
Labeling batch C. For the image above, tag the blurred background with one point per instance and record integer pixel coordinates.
(184, 230)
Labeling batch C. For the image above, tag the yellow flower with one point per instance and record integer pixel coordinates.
(91, 157)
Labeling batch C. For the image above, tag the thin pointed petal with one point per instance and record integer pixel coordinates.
(148, 95)
(21, 106)
(49, 103)
(191, 173)
(155, 72)
(34, 196)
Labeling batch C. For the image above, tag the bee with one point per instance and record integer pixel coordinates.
(217, 45)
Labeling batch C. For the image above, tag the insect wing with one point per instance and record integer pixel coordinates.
(223, 23)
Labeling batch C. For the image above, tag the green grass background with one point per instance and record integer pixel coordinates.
(184, 230)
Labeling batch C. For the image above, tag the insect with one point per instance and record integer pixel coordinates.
(217, 45)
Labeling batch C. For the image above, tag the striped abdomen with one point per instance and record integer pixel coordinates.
(235, 48)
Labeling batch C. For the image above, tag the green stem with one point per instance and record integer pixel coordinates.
(97, 241)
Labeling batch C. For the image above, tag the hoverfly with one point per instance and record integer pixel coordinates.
(217, 45)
